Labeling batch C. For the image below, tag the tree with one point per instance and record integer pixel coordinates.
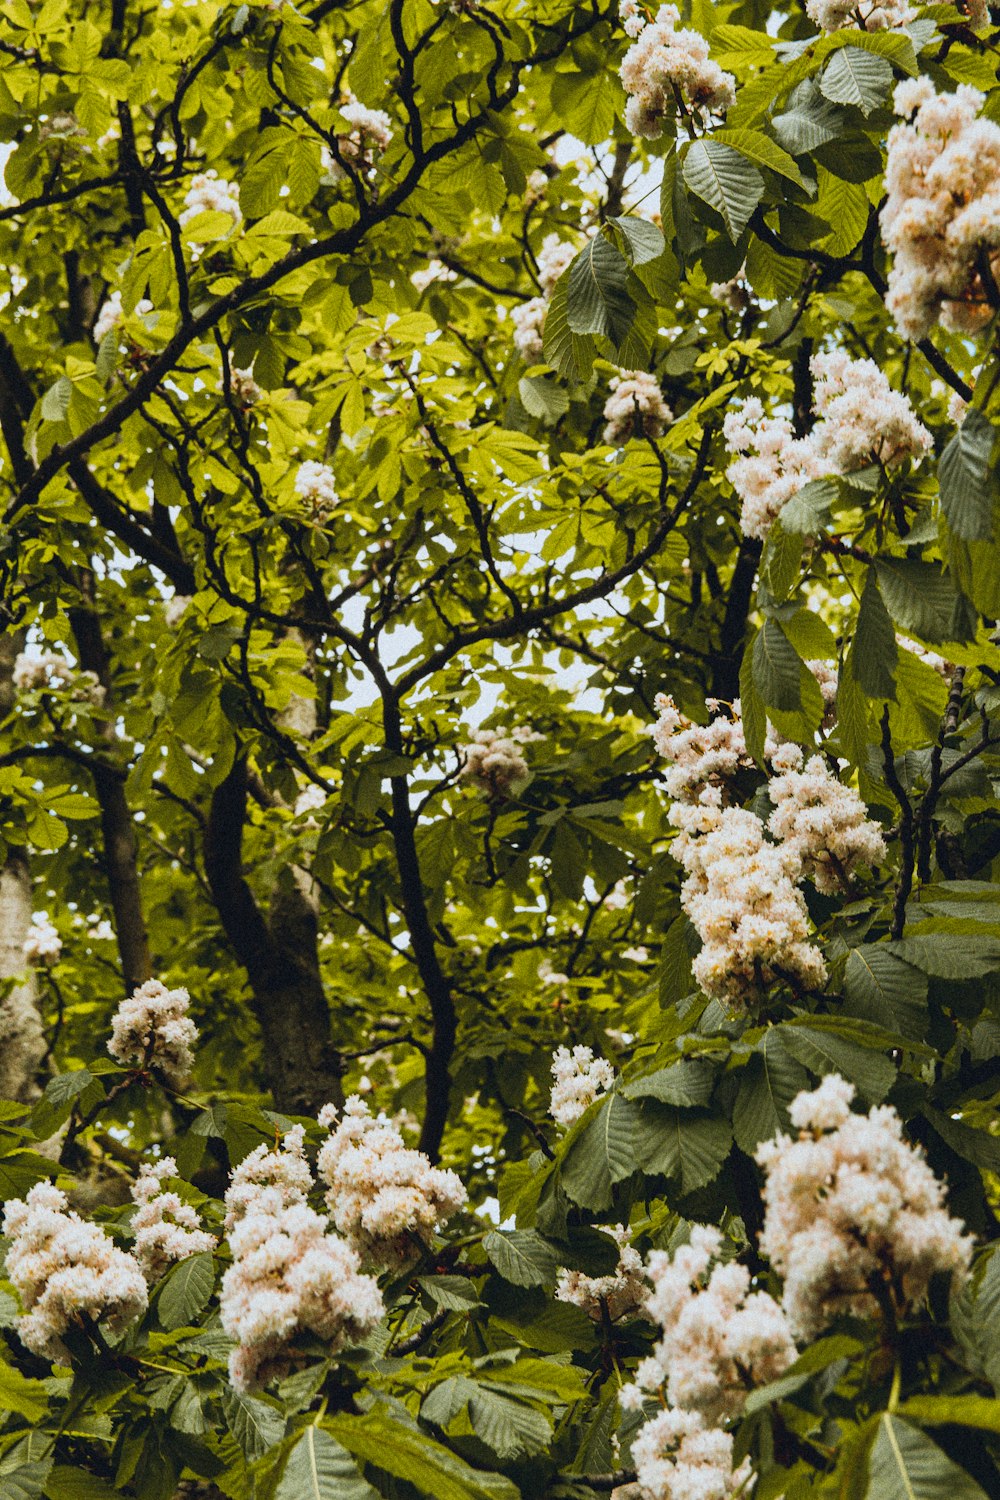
(405, 410)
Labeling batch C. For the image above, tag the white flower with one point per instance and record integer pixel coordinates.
(678, 1458)
(665, 70)
(635, 405)
(869, 15)
(64, 1270)
(553, 259)
(318, 488)
(210, 193)
(42, 944)
(174, 609)
(289, 1273)
(528, 319)
(385, 1197)
(578, 1079)
(850, 1209)
(772, 467)
(942, 209)
(825, 821)
(494, 761)
(620, 1294)
(111, 314)
(311, 799)
(370, 135)
(151, 1029)
(166, 1228)
(44, 670)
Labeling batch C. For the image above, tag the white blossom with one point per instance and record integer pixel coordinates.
(867, 15)
(635, 405)
(772, 466)
(210, 193)
(41, 671)
(317, 486)
(243, 388)
(823, 820)
(942, 209)
(616, 1295)
(553, 259)
(312, 798)
(112, 313)
(289, 1273)
(677, 1457)
(385, 1197)
(65, 1270)
(578, 1079)
(494, 761)
(42, 943)
(151, 1029)
(853, 1212)
(174, 609)
(166, 1228)
(369, 136)
(528, 319)
(664, 63)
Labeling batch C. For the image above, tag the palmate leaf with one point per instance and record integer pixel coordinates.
(724, 179)
(855, 76)
(905, 1464)
(881, 987)
(776, 668)
(522, 1256)
(768, 1084)
(599, 298)
(968, 479)
(186, 1290)
(875, 651)
(409, 1454)
(318, 1468)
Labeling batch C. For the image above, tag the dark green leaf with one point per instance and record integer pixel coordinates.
(968, 479)
(905, 1464)
(726, 181)
(186, 1290)
(875, 651)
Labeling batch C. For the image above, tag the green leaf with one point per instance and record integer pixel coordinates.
(26, 1481)
(968, 478)
(922, 599)
(542, 397)
(875, 652)
(752, 705)
(599, 298)
(255, 1425)
(522, 1256)
(946, 955)
(808, 510)
(691, 1147)
(726, 181)
(407, 1453)
(854, 76)
(823, 1052)
(318, 1468)
(905, 1464)
(28, 1398)
(686, 1083)
(982, 1412)
(760, 149)
(186, 1290)
(768, 1084)
(65, 1483)
(975, 1146)
(776, 668)
(641, 240)
(572, 354)
(882, 987)
(55, 402)
(809, 122)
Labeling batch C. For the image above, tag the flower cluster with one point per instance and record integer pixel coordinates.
(861, 420)
(316, 484)
(868, 15)
(151, 1029)
(578, 1079)
(667, 72)
(289, 1273)
(243, 388)
(615, 1296)
(677, 1457)
(370, 134)
(635, 405)
(42, 943)
(112, 313)
(495, 761)
(853, 1213)
(740, 890)
(719, 1340)
(825, 822)
(47, 671)
(736, 294)
(174, 609)
(529, 317)
(741, 895)
(312, 798)
(385, 1197)
(66, 1270)
(166, 1228)
(773, 464)
(941, 219)
(208, 193)
(719, 1337)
